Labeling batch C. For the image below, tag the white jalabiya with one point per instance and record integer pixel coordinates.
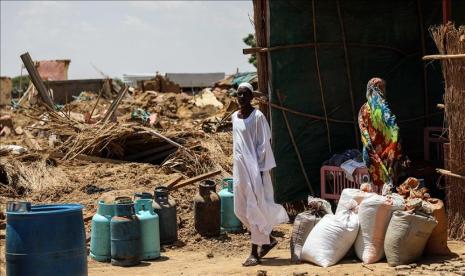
(253, 191)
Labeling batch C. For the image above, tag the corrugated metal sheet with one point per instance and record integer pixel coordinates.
(195, 79)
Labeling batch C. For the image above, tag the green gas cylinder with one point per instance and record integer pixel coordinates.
(150, 229)
(100, 232)
(229, 221)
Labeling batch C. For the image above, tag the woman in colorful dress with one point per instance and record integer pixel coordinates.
(380, 137)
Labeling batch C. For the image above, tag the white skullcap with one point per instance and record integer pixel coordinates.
(246, 85)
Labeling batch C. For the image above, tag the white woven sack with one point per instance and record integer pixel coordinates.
(331, 238)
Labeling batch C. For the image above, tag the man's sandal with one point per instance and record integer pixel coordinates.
(266, 248)
(251, 261)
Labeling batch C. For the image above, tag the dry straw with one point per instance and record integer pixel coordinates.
(451, 41)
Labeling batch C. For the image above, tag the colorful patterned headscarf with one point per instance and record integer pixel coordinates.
(381, 117)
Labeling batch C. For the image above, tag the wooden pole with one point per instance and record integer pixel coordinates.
(433, 57)
(114, 105)
(37, 80)
(294, 144)
(195, 179)
(151, 131)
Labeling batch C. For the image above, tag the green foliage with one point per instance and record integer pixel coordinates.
(118, 81)
(249, 40)
(24, 80)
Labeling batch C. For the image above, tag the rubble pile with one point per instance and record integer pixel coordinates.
(94, 147)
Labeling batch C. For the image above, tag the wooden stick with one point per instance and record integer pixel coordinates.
(114, 105)
(296, 149)
(25, 95)
(37, 80)
(195, 179)
(96, 103)
(151, 131)
(434, 57)
(369, 268)
(174, 181)
(449, 173)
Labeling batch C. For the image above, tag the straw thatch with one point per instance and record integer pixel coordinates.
(451, 41)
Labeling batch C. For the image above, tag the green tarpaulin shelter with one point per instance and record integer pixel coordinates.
(315, 60)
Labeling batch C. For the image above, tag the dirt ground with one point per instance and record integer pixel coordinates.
(38, 177)
(183, 262)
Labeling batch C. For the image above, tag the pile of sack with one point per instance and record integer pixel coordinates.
(375, 226)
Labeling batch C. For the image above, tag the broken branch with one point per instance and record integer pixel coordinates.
(195, 179)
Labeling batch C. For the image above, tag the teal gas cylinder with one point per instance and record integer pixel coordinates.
(150, 229)
(125, 235)
(100, 232)
(229, 221)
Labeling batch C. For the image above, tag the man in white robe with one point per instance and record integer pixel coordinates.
(252, 161)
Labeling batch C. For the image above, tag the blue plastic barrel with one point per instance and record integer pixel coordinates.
(47, 240)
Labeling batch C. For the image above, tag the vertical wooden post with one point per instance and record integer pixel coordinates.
(260, 10)
(446, 11)
(37, 80)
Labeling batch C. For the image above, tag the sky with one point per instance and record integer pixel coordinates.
(127, 36)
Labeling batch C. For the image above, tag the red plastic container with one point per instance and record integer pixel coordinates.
(333, 181)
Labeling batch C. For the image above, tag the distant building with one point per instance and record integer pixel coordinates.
(188, 82)
(191, 82)
(132, 79)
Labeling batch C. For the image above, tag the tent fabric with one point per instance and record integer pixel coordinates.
(384, 39)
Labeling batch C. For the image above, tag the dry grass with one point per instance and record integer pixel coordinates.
(451, 40)
(39, 177)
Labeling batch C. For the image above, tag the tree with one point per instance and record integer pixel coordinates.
(249, 40)
(24, 83)
(118, 81)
